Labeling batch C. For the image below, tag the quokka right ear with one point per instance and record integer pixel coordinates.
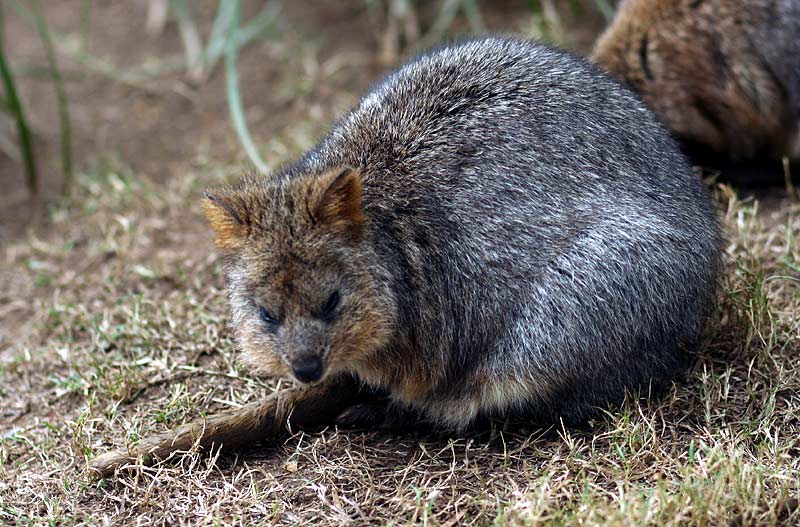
(335, 200)
(228, 217)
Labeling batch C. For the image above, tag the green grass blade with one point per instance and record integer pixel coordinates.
(61, 97)
(260, 23)
(257, 26)
(226, 10)
(234, 96)
(14, 106)
(192, 44)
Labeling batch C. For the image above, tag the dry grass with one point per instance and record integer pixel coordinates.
(114, 326)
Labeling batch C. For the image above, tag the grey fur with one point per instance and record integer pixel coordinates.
(538, 237)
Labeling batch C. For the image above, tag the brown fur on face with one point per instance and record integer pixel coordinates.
(292, 243)
(709, 70)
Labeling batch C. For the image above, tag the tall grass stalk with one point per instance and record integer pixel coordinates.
(35, 15)
(14, 107)
(259, 24)
(234, 95)
(192, 44)
(248, 32)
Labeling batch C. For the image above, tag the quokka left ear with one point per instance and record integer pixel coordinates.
(335, 200)
(228, 217)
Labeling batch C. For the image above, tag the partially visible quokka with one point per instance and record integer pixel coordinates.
(723, 75)
(498, 229)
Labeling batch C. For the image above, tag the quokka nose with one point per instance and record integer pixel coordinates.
(307, 369)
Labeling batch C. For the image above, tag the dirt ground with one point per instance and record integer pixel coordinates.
(113, 322)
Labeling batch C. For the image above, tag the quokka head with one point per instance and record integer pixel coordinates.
(308, 296)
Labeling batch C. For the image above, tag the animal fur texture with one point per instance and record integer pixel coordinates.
(498, 229)
(723, 75)
(507, 230)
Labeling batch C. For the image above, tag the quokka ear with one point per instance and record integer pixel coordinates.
(336, 201)
(228, 218)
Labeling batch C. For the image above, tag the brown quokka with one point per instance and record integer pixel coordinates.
(498, 229)
(723, 75)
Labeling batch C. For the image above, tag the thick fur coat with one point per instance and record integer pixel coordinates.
(497, 228)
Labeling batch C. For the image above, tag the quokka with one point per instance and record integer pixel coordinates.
(723, 75)
(498, 229)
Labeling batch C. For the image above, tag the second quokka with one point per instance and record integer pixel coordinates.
(723, 75)
(497, 229)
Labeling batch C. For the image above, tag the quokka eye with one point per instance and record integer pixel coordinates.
(267, 317)
(327, 309)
